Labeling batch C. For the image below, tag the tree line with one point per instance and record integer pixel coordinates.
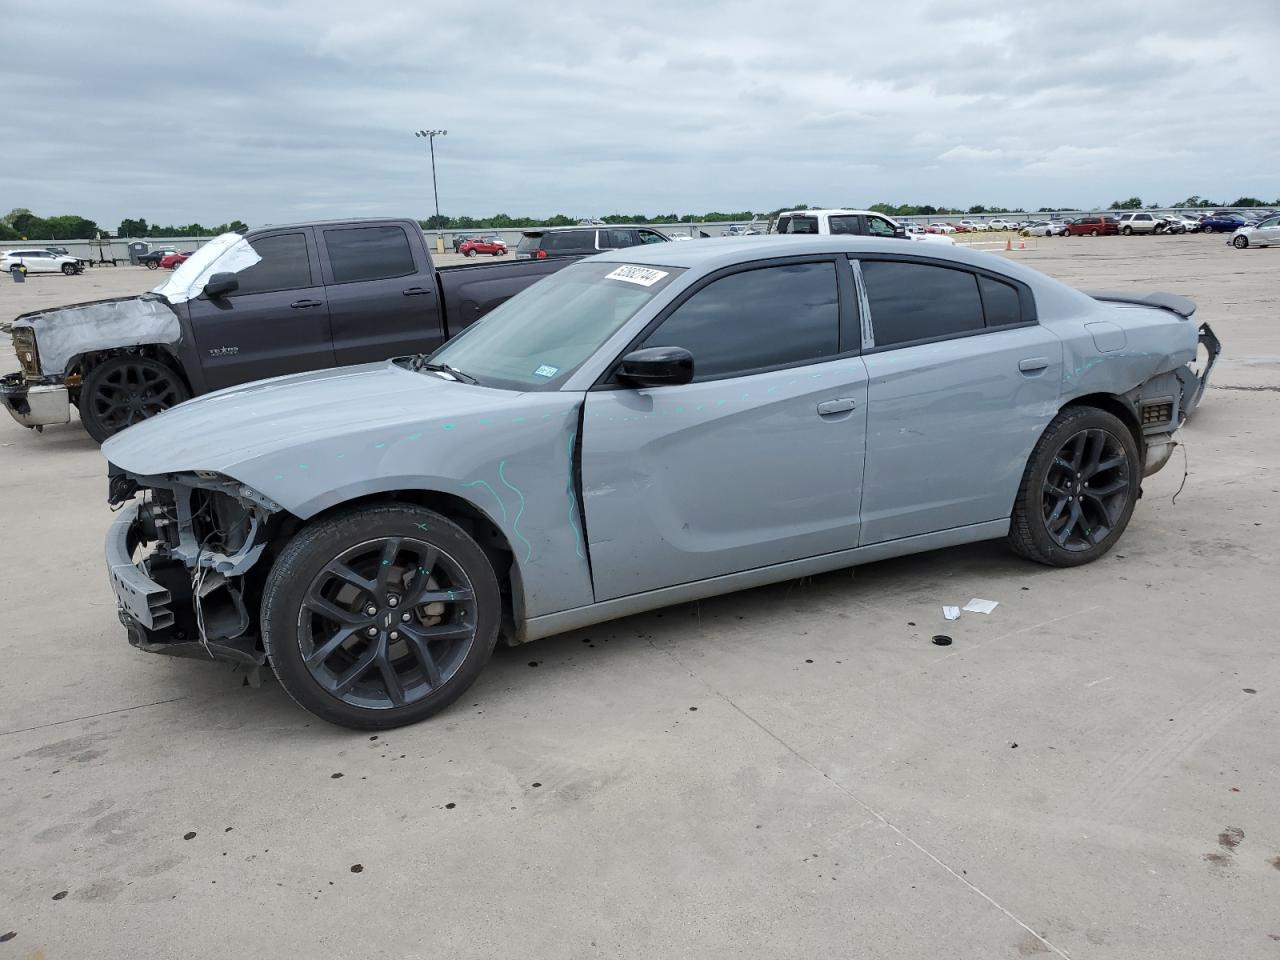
(21, 224)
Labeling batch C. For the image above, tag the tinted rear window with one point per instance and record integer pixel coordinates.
(571, 241)
(999, 302)
(368, 253)
(529, 243)
(916, 301)
(798, 225)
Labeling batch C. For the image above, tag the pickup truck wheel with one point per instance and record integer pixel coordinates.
(1240, 242)
(1078, 491)
(122, 391)
(380, 616)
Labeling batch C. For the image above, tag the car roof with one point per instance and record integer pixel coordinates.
(830, 210)
(716, 252)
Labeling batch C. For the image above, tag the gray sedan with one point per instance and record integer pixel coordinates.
(643, 428)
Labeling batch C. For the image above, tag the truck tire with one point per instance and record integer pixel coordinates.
(122, 391)
(1079, 489)
(380, 616)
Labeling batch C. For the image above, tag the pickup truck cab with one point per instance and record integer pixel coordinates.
(279, 300)
(859, 223)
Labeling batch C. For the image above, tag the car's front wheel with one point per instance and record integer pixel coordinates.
(122, 391)
(69, 269)
(1078, 491)
(1240, 242)
(1127, 231)
(380, 616)
(469, 253)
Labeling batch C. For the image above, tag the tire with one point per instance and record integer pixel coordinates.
(1080, 445)
(470, 253)
(122, 391)
(1207, 229)
(1093, 233)
(1240, 242)
(69, 269)
(153, 264)
(1127, 231)
(349, 685)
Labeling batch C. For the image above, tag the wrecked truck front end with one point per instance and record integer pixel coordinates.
(181, 556)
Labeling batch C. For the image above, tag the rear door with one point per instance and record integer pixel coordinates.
(963, 381)
(382, 293)
(277, 322)
(757, 461)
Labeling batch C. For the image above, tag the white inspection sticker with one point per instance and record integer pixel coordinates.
(645, 276)
(546, 370)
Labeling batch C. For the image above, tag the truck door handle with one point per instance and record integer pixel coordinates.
(415, 292)
(299, 304)
(843, 405)
(1033, 364)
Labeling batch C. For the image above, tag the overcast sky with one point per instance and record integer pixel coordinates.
(222, 109)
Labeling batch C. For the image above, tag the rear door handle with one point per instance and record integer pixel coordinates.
(299, 304)
(1033, 364)
(415, 292)
(843, 405)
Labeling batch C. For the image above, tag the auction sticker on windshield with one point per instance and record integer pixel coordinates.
(645, 276)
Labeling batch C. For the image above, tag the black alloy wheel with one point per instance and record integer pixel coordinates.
(381, 616)
(1086, 490)
(1079, 490)
(123, 391)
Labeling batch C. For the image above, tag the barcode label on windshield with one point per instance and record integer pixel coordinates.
(645, 276)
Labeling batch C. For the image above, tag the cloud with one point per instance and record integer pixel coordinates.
(230, 108)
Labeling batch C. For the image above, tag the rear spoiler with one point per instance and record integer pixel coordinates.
(1161, 301)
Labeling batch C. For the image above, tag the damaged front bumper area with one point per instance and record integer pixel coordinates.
(35, 403)
(181, 558)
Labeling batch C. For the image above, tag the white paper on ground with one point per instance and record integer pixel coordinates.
(951, 613)
(981, 606)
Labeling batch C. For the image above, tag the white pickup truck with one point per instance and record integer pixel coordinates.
(863, 223)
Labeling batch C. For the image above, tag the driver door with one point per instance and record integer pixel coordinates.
(758, 461)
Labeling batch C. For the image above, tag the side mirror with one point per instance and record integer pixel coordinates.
(220, 284)
(657, 367)
(900, 232)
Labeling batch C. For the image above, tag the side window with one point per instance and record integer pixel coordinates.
(844, 225)
(617, 239)
(368, 253)
(756, 319)
(650, 236)
(879, 227)
(1143, 217)
(999, 302)
(284, 265)
(569, 242)
(916, 301)
(784, 225)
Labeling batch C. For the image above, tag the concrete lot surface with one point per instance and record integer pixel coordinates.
(795, 771)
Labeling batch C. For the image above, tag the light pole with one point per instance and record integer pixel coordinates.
(431, 141)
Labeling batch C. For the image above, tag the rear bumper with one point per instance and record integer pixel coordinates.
(35, 404)
(1194, 382)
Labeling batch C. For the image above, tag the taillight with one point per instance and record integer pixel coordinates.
(541, 255)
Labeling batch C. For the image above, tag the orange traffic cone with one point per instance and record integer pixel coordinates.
(1022, 244)
(1008, 244)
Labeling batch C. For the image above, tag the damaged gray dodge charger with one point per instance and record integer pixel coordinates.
(643, 428)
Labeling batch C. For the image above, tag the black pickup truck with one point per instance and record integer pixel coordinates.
(278, 300)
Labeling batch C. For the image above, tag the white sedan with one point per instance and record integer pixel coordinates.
(38, 261)
(1045, 228)
(940, 228)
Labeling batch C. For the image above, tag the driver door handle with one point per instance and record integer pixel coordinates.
(1033, 364)
(299, 304)
(416, 292)
(843, 405)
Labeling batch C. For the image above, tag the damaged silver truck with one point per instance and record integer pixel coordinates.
(646, 427)
(281, 299)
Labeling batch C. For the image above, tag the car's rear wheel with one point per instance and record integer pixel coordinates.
(153, 264)
(1240, 242)
(380, 616)
(1078, 491)
(122, 391)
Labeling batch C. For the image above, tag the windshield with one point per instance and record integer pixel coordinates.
(227, 253)
(538, 338)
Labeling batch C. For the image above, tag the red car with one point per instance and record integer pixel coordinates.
(1095, 226)
(171, 261)
(489, 245)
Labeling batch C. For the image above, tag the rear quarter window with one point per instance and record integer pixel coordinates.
(918, 301)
